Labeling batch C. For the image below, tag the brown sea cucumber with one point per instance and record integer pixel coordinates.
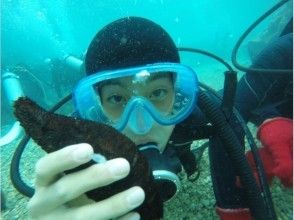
(53, 132)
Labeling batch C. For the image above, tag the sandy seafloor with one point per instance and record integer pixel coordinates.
(195, 201)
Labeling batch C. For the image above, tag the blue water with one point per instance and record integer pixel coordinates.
(35, 30)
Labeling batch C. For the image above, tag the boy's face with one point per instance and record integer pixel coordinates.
(158, 89)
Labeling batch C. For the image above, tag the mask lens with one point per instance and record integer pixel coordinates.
(120, 96)
(113, 95)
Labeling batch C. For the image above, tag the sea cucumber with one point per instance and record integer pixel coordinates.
(53, 132)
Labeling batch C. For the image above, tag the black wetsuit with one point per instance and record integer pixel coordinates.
(260, 96)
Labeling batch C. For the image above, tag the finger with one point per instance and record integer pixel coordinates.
(110, 208)
(55, 163)
(80, 201)
(130, 216)
(54, 215)
(75, 184)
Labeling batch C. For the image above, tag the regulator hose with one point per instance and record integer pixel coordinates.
(236, 154)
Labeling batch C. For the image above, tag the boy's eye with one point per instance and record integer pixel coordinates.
(116, 99)
(158, 94)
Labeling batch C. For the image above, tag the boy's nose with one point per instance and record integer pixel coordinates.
(140, 120)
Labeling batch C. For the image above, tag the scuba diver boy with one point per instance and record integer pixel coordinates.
(134, 73)
(136, 84)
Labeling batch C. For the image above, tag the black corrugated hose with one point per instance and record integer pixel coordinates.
(236, 154)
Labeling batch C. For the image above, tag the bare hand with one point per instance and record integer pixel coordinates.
(59, 196)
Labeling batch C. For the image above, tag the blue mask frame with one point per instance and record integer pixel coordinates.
(88, 104)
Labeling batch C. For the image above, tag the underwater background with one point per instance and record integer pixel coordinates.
(35, 34)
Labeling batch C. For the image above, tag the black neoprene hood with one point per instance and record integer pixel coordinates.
(127, 42)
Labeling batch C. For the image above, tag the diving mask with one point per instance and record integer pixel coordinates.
(137, 97)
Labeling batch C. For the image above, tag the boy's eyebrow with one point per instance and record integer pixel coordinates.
(110, 82)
